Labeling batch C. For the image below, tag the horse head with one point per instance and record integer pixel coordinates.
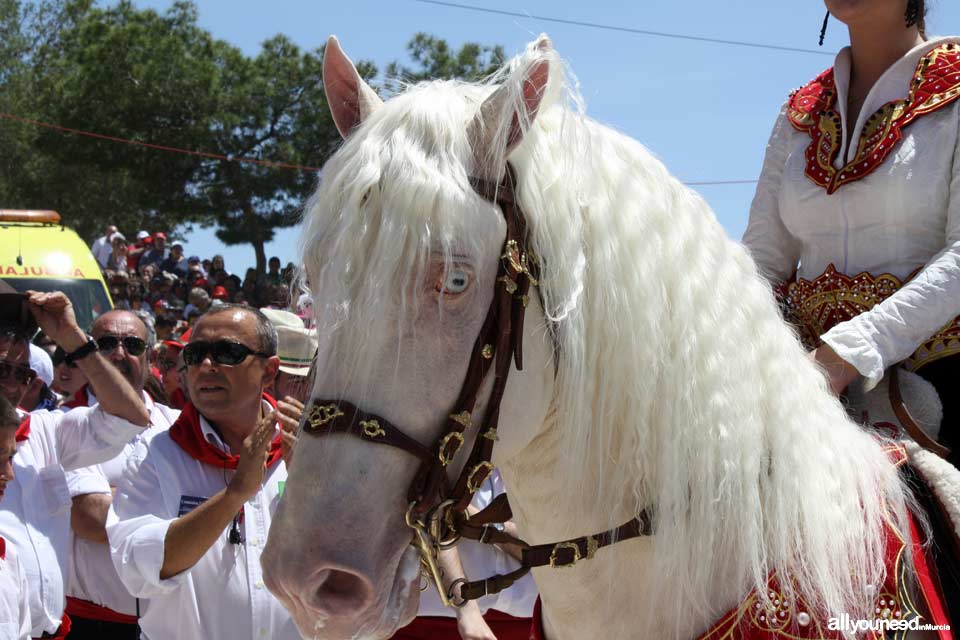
(403, 255)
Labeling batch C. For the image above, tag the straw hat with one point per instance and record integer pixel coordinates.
(297, 345)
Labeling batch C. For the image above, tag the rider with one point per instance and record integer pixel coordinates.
(860, 187)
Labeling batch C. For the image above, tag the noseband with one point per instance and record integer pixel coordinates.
(437, 511)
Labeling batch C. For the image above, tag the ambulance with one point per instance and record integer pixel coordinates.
(37, 252)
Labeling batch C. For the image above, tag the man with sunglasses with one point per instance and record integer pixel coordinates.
(189, 522)
(97, 602)
(34, 514)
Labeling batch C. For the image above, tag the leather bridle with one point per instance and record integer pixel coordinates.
(437, 511)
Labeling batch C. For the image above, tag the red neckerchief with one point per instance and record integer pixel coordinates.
(187, 433)
(79, 399)
(23, 431)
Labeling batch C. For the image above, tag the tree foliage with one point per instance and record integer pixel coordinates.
(160, 79)
(435, 59)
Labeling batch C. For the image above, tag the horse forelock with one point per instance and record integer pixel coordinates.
(678, 385)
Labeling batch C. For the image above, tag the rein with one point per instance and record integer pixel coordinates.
(437, 511)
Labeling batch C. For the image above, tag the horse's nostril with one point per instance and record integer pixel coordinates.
(339, 592)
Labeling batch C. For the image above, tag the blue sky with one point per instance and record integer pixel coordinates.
(705, 109)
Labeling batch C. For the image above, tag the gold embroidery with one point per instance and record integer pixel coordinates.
(322, 414)
(935, 83)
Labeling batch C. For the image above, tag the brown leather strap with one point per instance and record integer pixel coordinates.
(910, 425)
(557, 554)
(339, 416)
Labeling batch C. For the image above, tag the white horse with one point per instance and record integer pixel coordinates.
(657, 375)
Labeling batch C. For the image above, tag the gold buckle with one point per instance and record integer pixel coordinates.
(322, 414)
(564, 545)
(444, 458)
(372, 429)
(471, 485)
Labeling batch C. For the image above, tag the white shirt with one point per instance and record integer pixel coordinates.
(101, 250)
(903, 216)
(92, 574)
(483, 561)
(35, 511)
(14, 605)
(223, 594)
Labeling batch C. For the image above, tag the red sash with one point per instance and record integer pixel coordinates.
(504, 627)
(187, 433)
(78, 608)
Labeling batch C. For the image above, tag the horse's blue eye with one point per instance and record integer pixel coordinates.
(456, 281)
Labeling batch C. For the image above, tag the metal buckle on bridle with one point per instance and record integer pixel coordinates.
(429, 551)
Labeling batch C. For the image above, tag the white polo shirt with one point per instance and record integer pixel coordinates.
(35, 511)
(14, 607)
(92, 574)
(223, 594)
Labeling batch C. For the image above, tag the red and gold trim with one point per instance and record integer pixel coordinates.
(935, 84)
(816, 306)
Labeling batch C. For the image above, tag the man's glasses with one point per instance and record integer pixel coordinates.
(131, 344)
(221, 351)
(60, 356)
(165, 364)
(21, 373)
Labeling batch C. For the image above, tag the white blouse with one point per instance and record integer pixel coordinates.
(903, 216)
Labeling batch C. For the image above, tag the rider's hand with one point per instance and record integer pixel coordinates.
(289, 412)
(471, 625)
(838, 371)
(54, 314)
(248, 479)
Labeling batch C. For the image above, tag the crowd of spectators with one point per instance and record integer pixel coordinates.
(169, 291)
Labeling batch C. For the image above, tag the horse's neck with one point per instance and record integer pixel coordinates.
(595, 597)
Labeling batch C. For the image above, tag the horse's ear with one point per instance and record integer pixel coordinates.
(350, 98)
(509, 111)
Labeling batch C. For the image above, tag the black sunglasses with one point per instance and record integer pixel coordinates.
(60, 356)
(221, 351)
(21, 373)
(131, 344)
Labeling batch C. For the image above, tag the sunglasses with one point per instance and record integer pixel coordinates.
(21, 373)
(220, 351)
(131, 344)
(59, 357)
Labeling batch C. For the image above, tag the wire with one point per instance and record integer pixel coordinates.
(718, 182)
(158, 147)
(645, 32)
(217, 156)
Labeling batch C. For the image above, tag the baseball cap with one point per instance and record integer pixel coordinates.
(159, 234)
(41, 364)
(296, 346)
(194, 259)
(219, 293)
(142, 235)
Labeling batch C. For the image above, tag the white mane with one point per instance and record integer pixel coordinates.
(678, 382)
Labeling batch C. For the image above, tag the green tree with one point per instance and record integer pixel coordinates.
(272, 107)
(131, 74)
(435, 59)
